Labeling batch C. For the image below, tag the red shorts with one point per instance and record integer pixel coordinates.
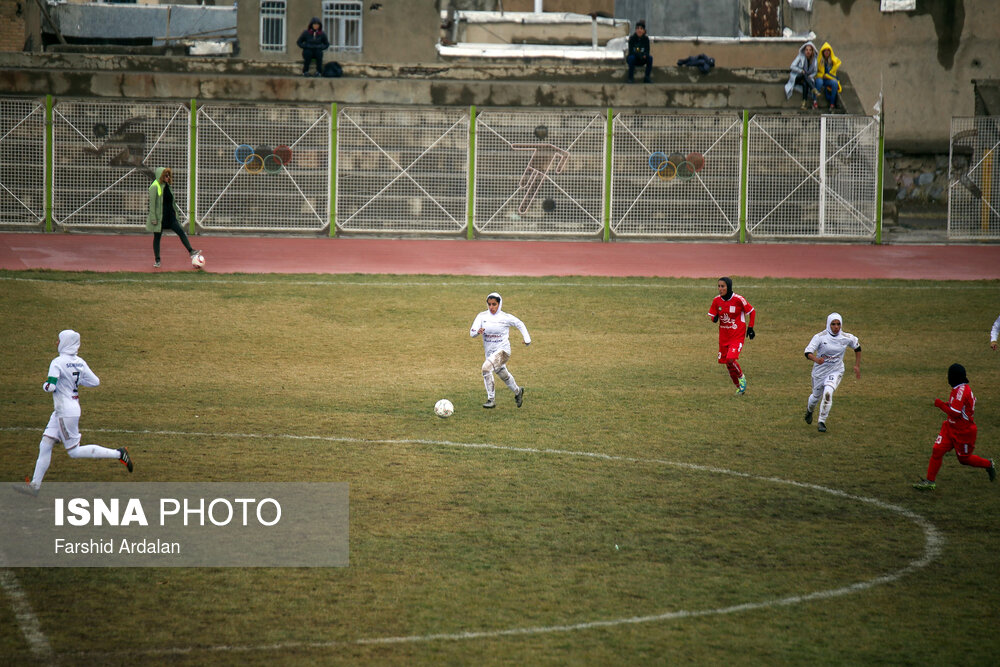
(729, 350)
(963, 442)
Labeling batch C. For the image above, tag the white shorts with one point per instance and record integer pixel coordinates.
(831, 380)
(64, 429)
(498, 359)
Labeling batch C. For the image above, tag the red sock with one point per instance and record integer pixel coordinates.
(974, 461)
(934, 464)
(735, 372)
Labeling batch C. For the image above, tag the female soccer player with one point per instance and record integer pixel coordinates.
(732, 312)
(494, 325)
(67, 373)
(958, 431)
(826, 351)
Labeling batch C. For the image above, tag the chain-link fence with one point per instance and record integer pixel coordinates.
(263, 167)
(812, 177)
(676, 175)
(540, 173)
(104, 156)
(22, 169)
(974, 179)
(402, 169)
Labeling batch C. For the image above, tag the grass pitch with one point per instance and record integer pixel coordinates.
(634, 510)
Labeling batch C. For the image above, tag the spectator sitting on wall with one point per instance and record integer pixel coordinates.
(313, 42)
(638, 52)
(803, 75)
(827, 82)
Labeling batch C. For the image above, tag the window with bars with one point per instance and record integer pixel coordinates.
(272, 25)
(342, 24)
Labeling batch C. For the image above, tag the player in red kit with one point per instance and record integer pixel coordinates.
(958, 432)
(735, 317)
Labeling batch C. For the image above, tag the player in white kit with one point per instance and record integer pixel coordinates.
(67, 373)
(826, 351)
(494, 326)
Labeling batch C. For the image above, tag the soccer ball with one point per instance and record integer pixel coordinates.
(198, 261)
(444, 408)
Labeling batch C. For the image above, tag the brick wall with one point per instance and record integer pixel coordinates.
(11, 26)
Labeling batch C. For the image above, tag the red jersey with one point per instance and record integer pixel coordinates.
(733, 317)
(960, 408)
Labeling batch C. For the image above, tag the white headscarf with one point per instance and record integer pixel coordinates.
(69, 342)
(830, 318)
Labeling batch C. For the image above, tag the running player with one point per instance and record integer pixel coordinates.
(826, 351)
(494, 326)
(67, 373)
(958, 432)
(735, 317)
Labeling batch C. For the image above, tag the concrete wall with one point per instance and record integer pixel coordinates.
(398, 31)
(683, 18)
(924, 61)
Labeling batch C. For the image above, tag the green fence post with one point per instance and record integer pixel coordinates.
(470, 188)
(332, 214)
(878, 177)
(192, 164)
(744, 175)
(49, 163)
(608, 147)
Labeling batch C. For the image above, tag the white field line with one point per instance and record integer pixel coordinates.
(26, 620)
(707, 285)
(933, 542)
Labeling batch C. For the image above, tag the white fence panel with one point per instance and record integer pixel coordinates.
(22, 169)
(974, 179)
(540, 173)
(104, 157)
(812, 177)
(263, 168)
(676, 175)
(402, 170)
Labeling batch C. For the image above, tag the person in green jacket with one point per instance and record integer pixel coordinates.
(164, 213)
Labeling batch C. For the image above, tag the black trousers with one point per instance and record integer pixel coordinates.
(176, 227)
(308, 55)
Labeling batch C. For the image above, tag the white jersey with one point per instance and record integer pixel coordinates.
(67, 373)
(832, 349)
(995, 331)
(497, 327)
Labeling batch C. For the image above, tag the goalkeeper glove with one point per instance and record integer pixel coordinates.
(750, 333)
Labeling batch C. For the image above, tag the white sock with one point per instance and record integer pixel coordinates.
(44, 458)
(508, 379)
(825, 405)
(93, 452)
(488, 381)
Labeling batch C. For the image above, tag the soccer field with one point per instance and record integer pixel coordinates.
(634, 510)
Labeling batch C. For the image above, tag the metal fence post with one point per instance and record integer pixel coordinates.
(332, 214)
(608, 148)
(49, 163)
(878, 176)
(744, 174)
(470, 190)
(192, 165)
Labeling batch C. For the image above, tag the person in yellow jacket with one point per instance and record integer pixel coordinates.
(827, 82)
(164, 213)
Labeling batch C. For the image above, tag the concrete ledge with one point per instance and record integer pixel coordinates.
(533, 84)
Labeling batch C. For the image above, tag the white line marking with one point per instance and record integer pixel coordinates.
(27, 622)
(207, 279)
(933, 542)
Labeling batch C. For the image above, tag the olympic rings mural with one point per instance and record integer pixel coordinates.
(263, 158)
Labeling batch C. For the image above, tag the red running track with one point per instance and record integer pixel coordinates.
(90, 252)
